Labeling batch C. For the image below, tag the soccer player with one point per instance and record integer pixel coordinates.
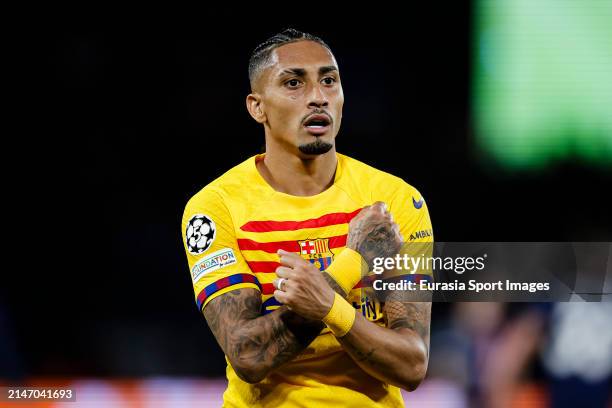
(277, 244)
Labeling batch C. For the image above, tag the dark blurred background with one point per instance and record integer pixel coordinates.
(134, 115)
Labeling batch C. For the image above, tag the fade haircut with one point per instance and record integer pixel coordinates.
(260, 58)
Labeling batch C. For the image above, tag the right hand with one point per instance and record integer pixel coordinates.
(304, 290)
(373, 233)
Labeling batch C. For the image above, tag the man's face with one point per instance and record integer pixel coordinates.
(302, 98)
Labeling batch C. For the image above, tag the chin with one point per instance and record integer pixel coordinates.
(316, 147)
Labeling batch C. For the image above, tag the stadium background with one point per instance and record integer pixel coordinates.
(134, 115)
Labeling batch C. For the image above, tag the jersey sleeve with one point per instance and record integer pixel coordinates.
(410, 212)
(215, 262)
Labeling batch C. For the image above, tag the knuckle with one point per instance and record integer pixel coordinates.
(364, 211)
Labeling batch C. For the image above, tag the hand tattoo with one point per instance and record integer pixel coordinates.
(373, 234)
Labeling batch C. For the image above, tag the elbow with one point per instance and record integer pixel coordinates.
(249, 377)
(415, 374)
(412, 383)
(249, 374)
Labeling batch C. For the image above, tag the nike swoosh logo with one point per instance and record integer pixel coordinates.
(417, 204)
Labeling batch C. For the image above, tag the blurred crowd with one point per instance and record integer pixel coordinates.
(518, 354)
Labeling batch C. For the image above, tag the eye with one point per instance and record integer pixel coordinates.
(292, 83)
(328, 80)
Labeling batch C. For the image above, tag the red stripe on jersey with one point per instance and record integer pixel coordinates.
(248, 244)
(289, 246)
(337, 241)
(267, 288)
(263, 266)
(322, 221)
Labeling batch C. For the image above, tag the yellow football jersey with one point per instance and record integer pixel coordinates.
(232, 229)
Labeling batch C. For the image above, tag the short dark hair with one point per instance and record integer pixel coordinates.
(261, 54)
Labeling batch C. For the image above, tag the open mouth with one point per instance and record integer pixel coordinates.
(317, 124)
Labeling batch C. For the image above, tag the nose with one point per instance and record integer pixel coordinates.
(317, 98)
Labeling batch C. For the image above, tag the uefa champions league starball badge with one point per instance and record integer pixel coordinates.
(200, 233)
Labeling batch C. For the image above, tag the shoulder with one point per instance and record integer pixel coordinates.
(230, 185)
(225, 192)
(382, 185)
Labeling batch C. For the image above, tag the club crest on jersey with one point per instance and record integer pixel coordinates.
(317, 252)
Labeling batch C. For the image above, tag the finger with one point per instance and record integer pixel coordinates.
(396, 229)
(284, 272)
(290, 259)
(363, 212)
(282, 252)
(281, 296)
(380, 206)
(277, 284)
(397, 232)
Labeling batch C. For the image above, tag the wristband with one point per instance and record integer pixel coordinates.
(340, 317)
(347, 269)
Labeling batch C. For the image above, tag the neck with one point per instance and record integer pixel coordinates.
(298, 176)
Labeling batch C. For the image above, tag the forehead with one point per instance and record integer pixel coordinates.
(301, 54)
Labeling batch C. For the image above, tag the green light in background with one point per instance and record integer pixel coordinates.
(543, 81)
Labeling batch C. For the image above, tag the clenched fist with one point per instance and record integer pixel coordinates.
(373, 233)
(303, 289)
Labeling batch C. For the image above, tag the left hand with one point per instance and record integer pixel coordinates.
(374, 234)
(304, 289)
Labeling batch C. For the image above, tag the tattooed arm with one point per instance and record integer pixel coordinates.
(397, 354)
(256, 345)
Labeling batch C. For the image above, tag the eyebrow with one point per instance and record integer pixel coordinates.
(327, 69)
(302, 72)
(295, 71)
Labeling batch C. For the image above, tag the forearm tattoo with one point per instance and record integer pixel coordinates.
(367, 356)
(415, 316)
(252, 340)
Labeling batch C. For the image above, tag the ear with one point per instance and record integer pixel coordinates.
(255, 107)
